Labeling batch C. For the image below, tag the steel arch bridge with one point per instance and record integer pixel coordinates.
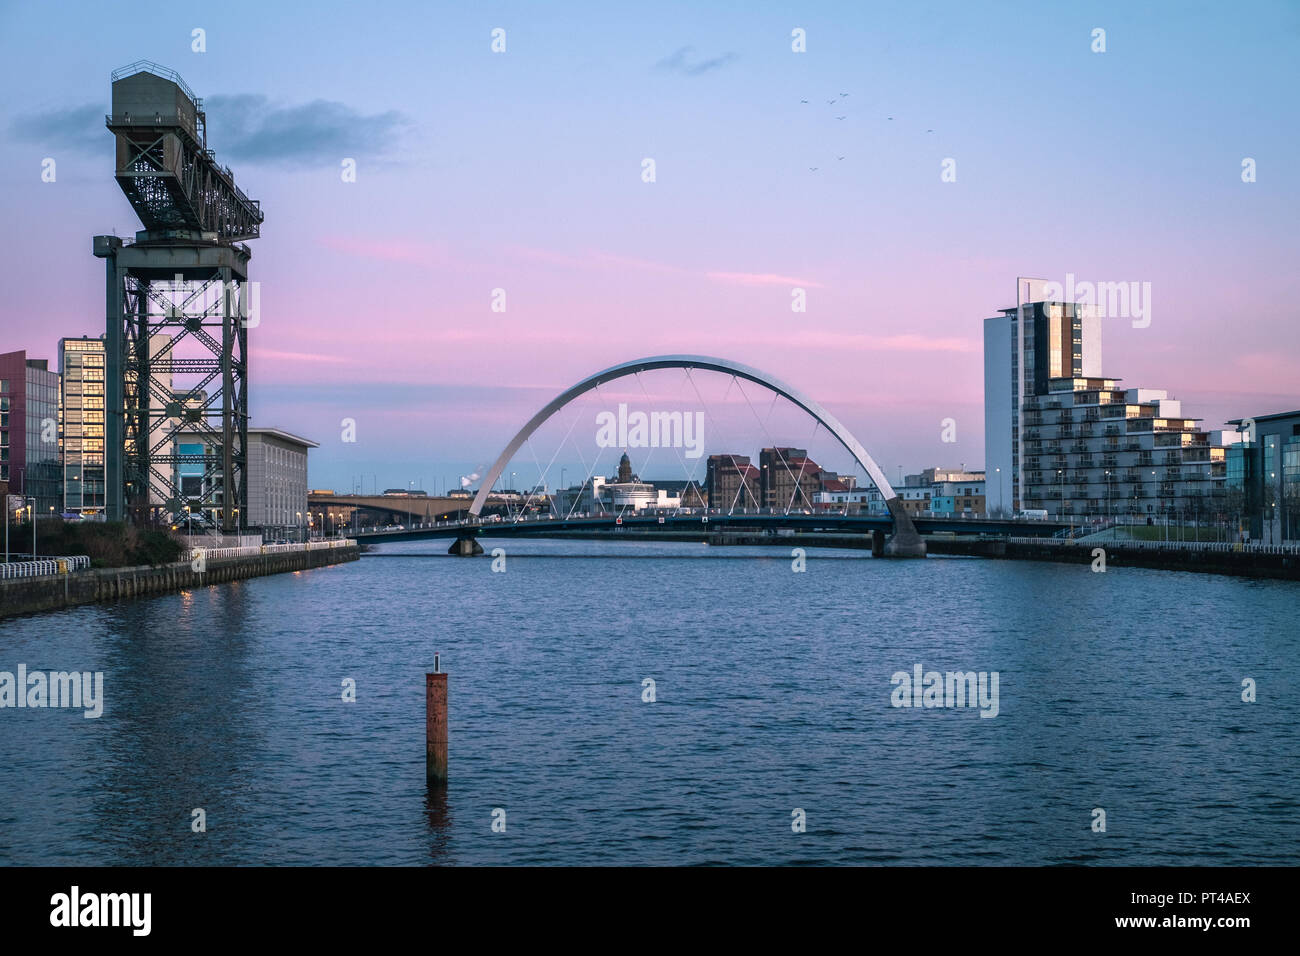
(904, 542)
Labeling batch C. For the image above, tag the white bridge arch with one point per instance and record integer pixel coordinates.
(905, 535)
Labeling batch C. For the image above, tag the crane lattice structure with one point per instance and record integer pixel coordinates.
(180, 287)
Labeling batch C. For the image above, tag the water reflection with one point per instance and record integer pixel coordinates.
(437, 809)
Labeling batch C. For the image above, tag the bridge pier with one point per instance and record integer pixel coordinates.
(905, 542)
(877, 544)
(466, 546)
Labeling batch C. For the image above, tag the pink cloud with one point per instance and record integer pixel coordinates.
(392, 250)
(858, 342)
(761, 278)
(297, 356)
(594, 258)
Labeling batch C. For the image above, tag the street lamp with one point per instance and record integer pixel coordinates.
(999, 471)
(1272, 508)
(31, 513)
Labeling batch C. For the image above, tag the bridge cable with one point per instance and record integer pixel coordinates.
(595, 461)
(763, 425)
(709, 412)
(556, 455)
(689, 473)
(798, 488)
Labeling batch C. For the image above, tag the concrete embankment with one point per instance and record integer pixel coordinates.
(1121, 554)
(27, 595)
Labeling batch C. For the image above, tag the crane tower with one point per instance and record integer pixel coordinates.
(179, 307)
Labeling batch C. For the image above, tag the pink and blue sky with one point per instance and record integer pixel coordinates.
(522, 171)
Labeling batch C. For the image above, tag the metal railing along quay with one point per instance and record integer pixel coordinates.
(272, 548)
(1252, 547)
(43, 566)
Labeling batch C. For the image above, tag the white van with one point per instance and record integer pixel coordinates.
(1032, 514)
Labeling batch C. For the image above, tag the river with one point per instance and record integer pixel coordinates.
(1119, 691)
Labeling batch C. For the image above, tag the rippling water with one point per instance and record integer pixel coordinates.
(1119, 690)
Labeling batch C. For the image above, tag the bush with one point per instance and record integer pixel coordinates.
(108, 544)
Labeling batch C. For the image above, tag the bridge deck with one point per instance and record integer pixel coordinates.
(704, 525)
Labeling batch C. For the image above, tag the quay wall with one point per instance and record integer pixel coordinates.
(53, 591)
(1121, 554)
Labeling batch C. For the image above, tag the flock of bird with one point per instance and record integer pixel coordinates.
(836, 102)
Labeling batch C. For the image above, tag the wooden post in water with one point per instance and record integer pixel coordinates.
(435, 724)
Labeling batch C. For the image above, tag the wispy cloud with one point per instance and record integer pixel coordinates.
(816, 340)
(79, 128)
(298, 356)
(684, 62)
(597, 259)
(760, 278)
(391, 250)
(593, 259)
(245, 127)
(251, 128)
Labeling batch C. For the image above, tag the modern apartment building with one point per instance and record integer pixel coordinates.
(29, 431)
(1091, 447)
(1263, 483)
(81, 435)
(1074, 442)
(1025, 348)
